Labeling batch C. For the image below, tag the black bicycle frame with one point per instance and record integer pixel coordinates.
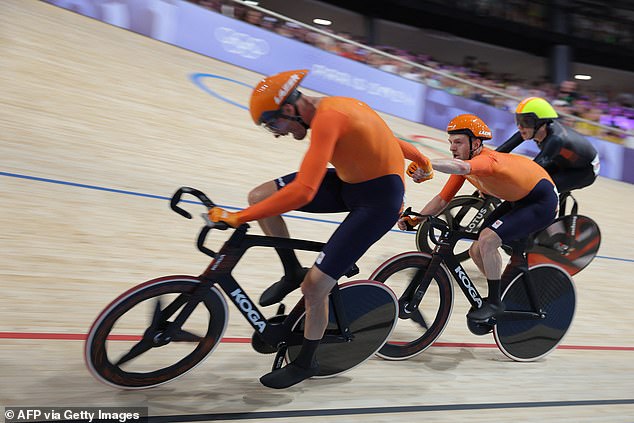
(443, 252)
(474, 224)
(572, 229)
(219, 272)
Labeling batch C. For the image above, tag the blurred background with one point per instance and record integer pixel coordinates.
(577, 53)
(424, 61)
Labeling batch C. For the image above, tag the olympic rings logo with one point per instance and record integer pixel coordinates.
(241, 44)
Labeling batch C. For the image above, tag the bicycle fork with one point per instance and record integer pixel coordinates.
(161, 331)
(173, 328)
(417, 288)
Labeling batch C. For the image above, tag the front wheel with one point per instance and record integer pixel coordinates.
(415, 331)
(127, 347)
(528, 339)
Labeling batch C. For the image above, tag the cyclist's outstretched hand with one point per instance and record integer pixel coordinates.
(420, 174)
(217, 214)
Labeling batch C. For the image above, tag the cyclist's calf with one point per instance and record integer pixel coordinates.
(315, 288)
(487, 245)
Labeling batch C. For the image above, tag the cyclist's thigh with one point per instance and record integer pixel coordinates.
(498, 212)
(375, 207)
(530, 214)
(328, 198)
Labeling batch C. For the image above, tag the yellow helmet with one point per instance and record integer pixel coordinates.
(533, 112)
(537, 105)
(273, 92)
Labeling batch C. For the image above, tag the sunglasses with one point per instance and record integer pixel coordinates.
(275, 123)
(526, 120)
(277, 126)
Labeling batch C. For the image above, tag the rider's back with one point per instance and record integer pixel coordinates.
(564, 148)
(506, 176)
(365, 147)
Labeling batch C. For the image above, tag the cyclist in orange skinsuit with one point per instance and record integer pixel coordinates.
(347, 134)
(530, 195)
(366, 180)
(505, 176)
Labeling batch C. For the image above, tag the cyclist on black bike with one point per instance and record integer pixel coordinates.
(367, 181)
(568, 157)
(530, 199)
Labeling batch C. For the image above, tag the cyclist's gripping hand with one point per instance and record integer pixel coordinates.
(420, 174)
(407, 222)
(217, 214)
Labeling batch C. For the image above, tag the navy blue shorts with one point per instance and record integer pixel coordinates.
(516, 220)
(570, 179)
(374, 207)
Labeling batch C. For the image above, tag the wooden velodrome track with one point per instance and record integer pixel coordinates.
(100, 126)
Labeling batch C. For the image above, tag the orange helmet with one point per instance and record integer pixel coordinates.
(272, 92)
(470, 125)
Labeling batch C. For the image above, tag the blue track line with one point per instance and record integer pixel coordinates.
(161, 197)
(141, 194)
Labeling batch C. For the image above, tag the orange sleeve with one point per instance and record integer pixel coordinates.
(452, 187)
(326, 128)
(481, 165)
(412, 153)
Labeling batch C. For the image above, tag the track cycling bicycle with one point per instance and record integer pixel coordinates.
(540, 300)
(571, 241)
(161, 329)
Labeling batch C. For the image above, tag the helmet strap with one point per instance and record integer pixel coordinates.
(297, 118)
(537, 127)
(471, 149)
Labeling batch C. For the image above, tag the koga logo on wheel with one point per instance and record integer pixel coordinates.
(467, 284)
(245, 305)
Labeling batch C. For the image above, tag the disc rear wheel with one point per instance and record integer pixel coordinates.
(532, 338)
(570, 242)
(371, 312)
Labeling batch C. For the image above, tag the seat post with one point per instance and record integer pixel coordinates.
(340, 313)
